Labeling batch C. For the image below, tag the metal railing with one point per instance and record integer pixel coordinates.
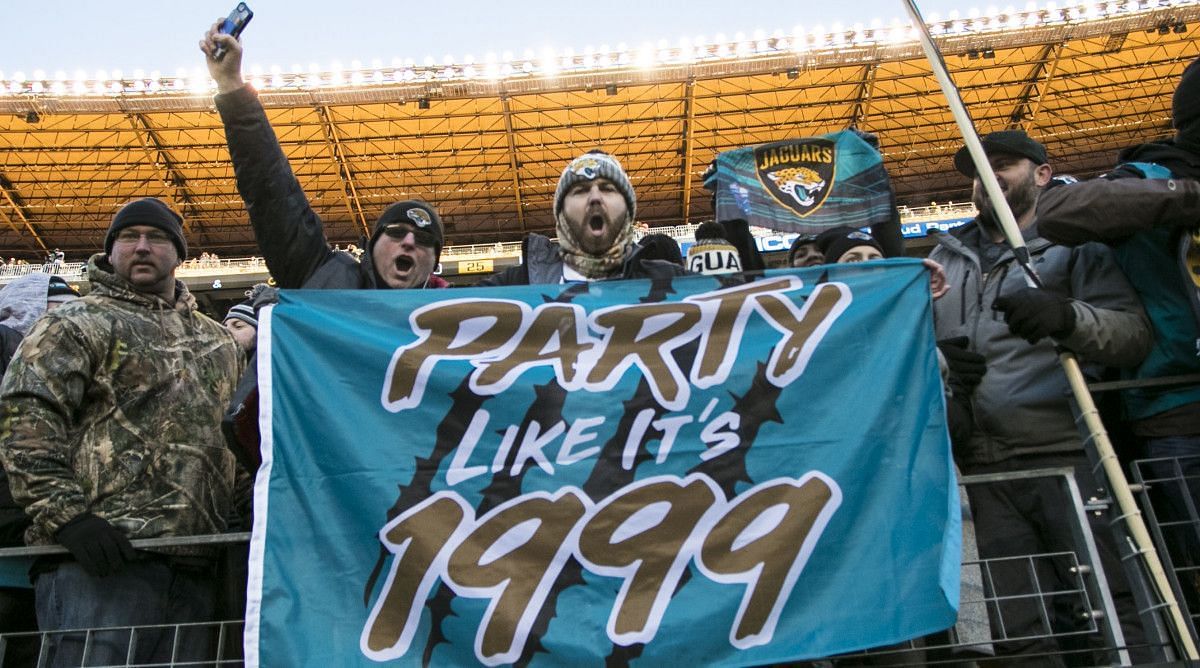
(1168, 490)
(1077, 620)
(77, 271)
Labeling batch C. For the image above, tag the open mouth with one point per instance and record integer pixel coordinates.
(596, 223)
(403, 263)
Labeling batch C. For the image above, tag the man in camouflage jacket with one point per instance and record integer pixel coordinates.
(111, 411)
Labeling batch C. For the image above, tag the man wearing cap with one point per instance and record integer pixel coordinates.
(1020, 404)
(110, 434)
(1148, 211)
(594, 209)
(407, 239)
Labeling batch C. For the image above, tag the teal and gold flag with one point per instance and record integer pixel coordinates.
(803, 185)
(700, 472)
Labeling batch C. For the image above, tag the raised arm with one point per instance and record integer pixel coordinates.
(1109, 211)
(289, 233)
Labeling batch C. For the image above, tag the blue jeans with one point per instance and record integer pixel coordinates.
(143, 593)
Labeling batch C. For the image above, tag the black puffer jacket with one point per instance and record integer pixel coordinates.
(289, 233)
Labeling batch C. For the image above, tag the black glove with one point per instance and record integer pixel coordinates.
(966, 367)
(960, 424)
(1034, 314)
(98, 546)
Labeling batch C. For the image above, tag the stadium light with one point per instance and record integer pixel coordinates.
(685, 52)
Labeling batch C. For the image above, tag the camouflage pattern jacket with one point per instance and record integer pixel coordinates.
(113, 406)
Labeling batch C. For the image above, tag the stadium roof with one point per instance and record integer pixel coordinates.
(486, 142)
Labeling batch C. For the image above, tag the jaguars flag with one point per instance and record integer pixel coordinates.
(803, 185)
(706, 470)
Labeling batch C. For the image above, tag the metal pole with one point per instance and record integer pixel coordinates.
(1070, 365)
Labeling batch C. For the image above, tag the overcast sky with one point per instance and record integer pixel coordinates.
(91, 35)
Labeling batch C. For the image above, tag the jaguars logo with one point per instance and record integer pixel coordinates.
(797, 173)
(586, 167)
(419, 217)
(801, 183)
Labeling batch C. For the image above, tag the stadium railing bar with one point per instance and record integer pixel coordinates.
(1093, 637)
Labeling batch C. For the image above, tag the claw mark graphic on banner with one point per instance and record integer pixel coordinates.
(646, 533)
(624, 472)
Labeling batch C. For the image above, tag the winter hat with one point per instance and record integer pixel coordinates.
(712, 253)
(660, 247)
(802, 240)
(595, 164)
(1004, 142)
(836, 241)
(1185, 105)
(59, 292)
(148, 211)
(243, 311)
(413, 213)
(589, 167)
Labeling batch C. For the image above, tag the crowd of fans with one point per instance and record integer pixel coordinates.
(130, 415)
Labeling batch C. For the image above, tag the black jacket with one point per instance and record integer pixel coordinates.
(289, 233)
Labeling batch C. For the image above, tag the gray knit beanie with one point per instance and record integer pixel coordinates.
(594, 165)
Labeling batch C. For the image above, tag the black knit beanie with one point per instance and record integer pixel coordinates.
(836, 241)
(148, 211)
(1185, 105)
(797, 243)
(413, 212)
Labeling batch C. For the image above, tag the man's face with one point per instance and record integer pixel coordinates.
(860, 254)
(807, 256)
(596, 211)
(242, 332)
(146, 257)
(404, 256)
(1021, 181)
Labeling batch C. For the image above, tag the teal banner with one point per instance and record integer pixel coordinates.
(803, 185)
(706, 470)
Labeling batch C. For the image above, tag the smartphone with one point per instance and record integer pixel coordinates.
(233, 25)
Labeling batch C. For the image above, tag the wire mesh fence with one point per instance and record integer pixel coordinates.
(1169, 490)
(1053, 608)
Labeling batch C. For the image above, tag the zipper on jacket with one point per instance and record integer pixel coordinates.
(999, 286)
(962, 303)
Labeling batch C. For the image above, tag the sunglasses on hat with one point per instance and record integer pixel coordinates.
(422, 237)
